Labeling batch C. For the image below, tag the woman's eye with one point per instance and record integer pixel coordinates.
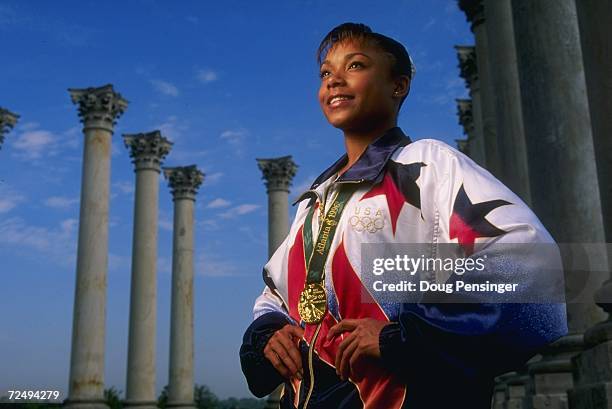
(323, 74)
(356, 64)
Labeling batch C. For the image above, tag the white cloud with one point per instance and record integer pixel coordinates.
(117, 262)
(33, 143)
(172, 128)
(55, 244)
(209, 265)
(165, 224)
(218, 203)
(206, 76)
(166, 88)
(124, 187)
(429, 24)
(61, 202)
(213, 177)
(239, 210)
(236, 139)
(9, 199)
(69, 225)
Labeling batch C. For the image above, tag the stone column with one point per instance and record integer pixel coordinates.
(474, 11)
(278, 174)
(184, 183)
(593, 367)
(466, 120)
(469, 72)
(562, 168)
(147, 151)
(507, 96)
(98, 109)
(7, 122)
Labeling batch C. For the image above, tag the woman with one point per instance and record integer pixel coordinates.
(318, 329)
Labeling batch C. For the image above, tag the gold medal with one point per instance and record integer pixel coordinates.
(313, 303)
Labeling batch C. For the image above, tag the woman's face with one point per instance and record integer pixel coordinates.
(356, 92)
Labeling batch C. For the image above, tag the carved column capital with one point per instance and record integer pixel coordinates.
(98, 107)
(277, 172)
(467, 64)
(7, 122)
(147, 150)
(466, 119)
(474, 11)
(184, 181)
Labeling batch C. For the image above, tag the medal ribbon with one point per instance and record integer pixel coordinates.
(317, 255)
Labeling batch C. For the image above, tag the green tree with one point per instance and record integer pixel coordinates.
(113, 398)
(204, 398)
(163, 398)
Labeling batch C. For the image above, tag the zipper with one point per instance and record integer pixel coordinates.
(310, 368)
(316, 334)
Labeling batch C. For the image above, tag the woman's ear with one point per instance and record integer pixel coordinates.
(402, 86)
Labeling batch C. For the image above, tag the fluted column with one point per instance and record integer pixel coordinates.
(505, 83)
(147, 151)
(474, 12)
(278, 174)
(7, 122)
(562, 169)
(469, 72)
(184, 183)
(98, 109)
(466, 120)
(593, 367)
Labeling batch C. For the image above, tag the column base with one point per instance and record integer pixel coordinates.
(551, 377)
(516, 390)
(140, 404)
(499, 391)
(593, 378)
(85, 404)
(181, 405)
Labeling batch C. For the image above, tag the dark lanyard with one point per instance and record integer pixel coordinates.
(316, 255)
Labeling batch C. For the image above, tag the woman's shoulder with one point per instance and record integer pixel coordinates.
(428, 149)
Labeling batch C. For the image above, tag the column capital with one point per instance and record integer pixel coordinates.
(7, 122)
(466, 118)
(277, 172)
(468, 64)
(474, 11)
(184, 181)
(147, 150)
(98, 107)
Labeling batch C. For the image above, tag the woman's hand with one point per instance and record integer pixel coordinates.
(282, 350)
(360, 343)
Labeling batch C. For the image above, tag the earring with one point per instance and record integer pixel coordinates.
(396, 93)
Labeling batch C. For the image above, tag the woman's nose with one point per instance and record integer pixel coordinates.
(334, 80)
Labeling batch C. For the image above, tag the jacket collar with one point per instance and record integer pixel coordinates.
(372, 161)
(370, 165)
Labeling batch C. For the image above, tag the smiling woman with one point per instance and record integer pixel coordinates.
(316, 327)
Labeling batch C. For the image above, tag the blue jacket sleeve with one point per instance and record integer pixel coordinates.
(262, 378)
(469, 340)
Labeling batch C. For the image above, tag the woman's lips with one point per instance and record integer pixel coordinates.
(339, 101)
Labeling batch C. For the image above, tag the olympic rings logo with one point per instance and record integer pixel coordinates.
(367, 223)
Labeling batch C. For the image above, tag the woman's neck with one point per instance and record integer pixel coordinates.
(357, 142)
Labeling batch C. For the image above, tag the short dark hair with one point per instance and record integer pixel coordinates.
(401, 63)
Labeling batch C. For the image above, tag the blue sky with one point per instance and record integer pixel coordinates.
(227, 82)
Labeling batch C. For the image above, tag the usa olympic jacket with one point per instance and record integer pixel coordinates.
(432, 355)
